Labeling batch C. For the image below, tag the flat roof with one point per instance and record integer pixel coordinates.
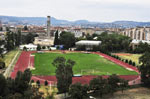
(88, 42)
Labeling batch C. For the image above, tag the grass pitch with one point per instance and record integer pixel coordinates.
(86, 64)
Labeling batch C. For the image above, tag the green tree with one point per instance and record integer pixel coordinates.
(64, 73)
(38, 47)
(22, 81)
(45, 83)
(56, 40)
(123, 84)
(43, 47)
(2, 63)
(113, 81)
(67, 39)
(26, 28)
(98, 85)
(3, 85)
(10, 44)
(78, 91)
(38, 83)
(145, 68)
(114, 42)
(89, 37)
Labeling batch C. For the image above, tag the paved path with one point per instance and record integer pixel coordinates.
(11, 66)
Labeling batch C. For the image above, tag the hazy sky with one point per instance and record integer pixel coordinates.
(92, 10)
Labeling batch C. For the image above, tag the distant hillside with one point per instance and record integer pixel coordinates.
(42, 21)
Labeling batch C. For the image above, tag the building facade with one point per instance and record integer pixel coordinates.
(138, 33)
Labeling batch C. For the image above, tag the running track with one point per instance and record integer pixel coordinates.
(25, 59)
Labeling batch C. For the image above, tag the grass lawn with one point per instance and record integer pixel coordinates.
(86, 64)
(133, 57)
(8, 57)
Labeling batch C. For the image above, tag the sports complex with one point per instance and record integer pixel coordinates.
(88, 66)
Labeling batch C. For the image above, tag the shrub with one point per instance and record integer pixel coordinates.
(24, 48)
(126, 61)
(2, 63)
(130, 62)
(45, 83)
(38, 83)
(133, 64)
(32, 81)
(43, 47)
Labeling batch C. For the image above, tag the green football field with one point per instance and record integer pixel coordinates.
(86, 64)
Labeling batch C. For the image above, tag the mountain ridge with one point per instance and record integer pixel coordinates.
(59, 22)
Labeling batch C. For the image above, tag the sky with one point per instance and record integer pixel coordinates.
(92, 10)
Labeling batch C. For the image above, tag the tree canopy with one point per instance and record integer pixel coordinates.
(145, 68)
(64, 73)
(67, 39)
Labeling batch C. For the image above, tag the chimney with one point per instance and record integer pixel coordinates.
(48, 26)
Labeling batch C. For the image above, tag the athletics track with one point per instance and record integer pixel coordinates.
(26, 59)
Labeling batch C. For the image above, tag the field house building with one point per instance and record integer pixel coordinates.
(89, 45)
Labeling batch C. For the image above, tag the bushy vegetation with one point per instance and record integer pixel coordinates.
(145, 68)
(98, 86)
(114, 42)
(18, 88)
(142, 48)
(67, 39)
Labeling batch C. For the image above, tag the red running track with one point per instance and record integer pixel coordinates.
(25, 59)
(22, 63)
(83, 79)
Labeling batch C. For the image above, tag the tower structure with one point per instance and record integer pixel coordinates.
(0, 23)
(48, 26)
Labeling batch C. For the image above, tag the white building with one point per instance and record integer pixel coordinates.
(88, 44)
(29, 47)
(135, 43)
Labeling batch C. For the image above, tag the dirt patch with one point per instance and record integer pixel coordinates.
(122, 54)
(136, 93)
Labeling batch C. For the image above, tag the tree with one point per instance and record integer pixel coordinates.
(114, 42)
(10, 44)
(43, 47)
(89, 37)
(67, 39)
(22, 81)
(78, 91)
(98, 85)
(3, 85)
(25, 48)
(145, 68)
(56, 40)
(126, 61)
(38, 47)
(45, 83)
(2, 63)
(18, 88)
(130, 62)
(64, 73)
(38, 83)
(1, 28)
(26, 28)
(18, 38)
(123, 84)
(32, 81)
(113, 81)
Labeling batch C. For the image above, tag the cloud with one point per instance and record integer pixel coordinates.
(93, 10)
